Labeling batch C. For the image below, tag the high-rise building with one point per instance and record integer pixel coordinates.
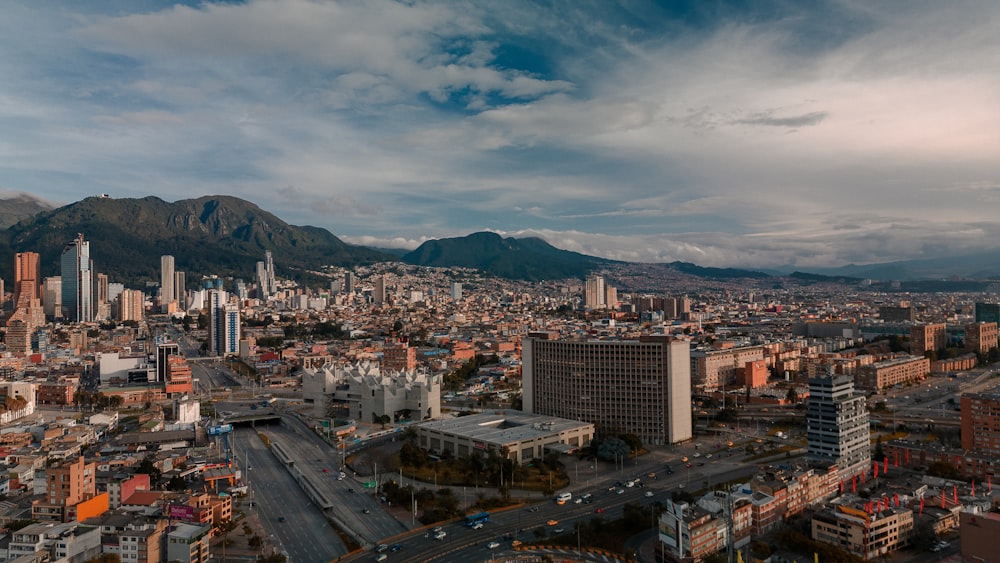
(981, 337)
(638, 387)
(130, 305)
(348, 283)
(593, 293)
(27, 275)
(981, 423)
(266, 281)
(378, 294)
(180, 290)
(52, 297)
(77, 281)
(166, 282)
(67, 485)
(988, 313)
(456, 291)
(223, 324)
(928, 338)
(837, 424)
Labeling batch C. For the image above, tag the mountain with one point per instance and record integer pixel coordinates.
(530, 259)
(221, 235)
(18, 207)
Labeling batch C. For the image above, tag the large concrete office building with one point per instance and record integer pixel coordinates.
(640, 387)
(837, 424)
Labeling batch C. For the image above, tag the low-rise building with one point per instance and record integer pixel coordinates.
(870, 533)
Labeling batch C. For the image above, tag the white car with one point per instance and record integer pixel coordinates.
(440, 535)
(493, 545)
(649, 494)
(477, 526)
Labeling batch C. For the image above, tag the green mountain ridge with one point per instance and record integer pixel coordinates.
(220, 235)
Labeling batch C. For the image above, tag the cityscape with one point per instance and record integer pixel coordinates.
(586, 281)
(409, 413)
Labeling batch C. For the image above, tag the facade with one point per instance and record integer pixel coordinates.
(894, 371)
(189, 543)
(130, 305)
(456, 291)
(524, 436)
(714, 369)
(870, 534)
(690, 533)
(77, 281)
(66, 486)
(981, 337)
(896, 314)
(981, 423)
(641, 387)
(62, 542)
(928, 338)
(837, 424)
(399, 356)
(378, 293)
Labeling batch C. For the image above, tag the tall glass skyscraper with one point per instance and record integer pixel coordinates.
(77, 281)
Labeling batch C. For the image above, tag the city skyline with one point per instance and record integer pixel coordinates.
(755, 134)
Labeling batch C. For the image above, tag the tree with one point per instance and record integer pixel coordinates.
(634, 442)
(612, 448)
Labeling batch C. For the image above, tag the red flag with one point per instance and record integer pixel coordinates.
(854, 483)
(956, 494)
(942, 498)
(885, 465)
(875, 474)
(863, 474)
(897, 499)
(921, 506)
(895, 460)
(973, 487)
(841, 486)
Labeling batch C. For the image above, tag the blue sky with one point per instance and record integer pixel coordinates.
(745, 133)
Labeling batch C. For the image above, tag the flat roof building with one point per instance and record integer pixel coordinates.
(837, 424)
(526, 436)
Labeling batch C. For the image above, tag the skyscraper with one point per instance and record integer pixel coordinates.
(77, 281)
(27, 275)
(837, 424)
(180, 290)
(349, 283)
(166, 282)
(378, 295)
(456, 291)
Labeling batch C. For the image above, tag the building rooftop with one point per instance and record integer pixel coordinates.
(504, 427)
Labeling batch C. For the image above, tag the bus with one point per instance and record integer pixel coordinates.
(477, 519)
(563, 498)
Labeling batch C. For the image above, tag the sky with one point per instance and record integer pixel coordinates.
(762, 134)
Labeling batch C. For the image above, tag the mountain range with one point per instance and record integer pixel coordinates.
(227, 236)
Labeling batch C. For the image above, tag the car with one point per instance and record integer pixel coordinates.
(630, 484)
(552, 522)
(477, 526)
(697, 454)
(618, 483)
(684, 459)
(620, 491)
(367, 511)
(578, 500)
(381, 547)
(586, 496)
(599, 510)
(515, 543)
(440, 535)
(325, 470)
(350, 490)
(342, 475)
(437, 529)
(649, 494)
(612, 488)
(533, 509)
(396, 547)
(558, 530)
(701, 464)
(669, 470)
(651, 475)
(709, 456)
(689, 466)
(493, 545)
(382, 557)
(281, 518)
